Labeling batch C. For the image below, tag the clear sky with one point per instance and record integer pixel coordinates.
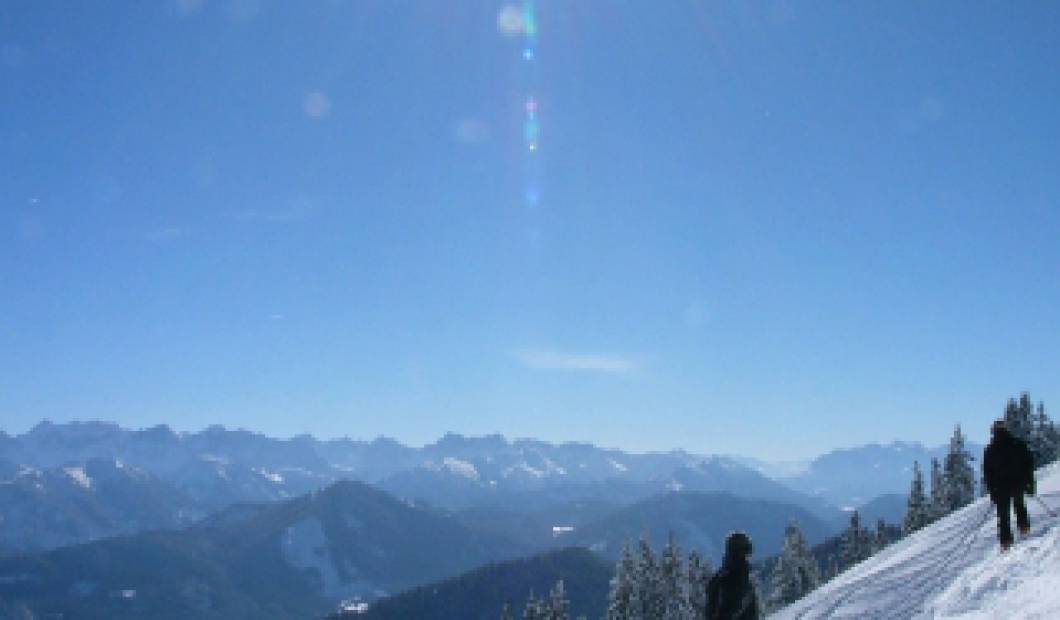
(766, 228)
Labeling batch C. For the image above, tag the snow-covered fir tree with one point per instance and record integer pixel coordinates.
(958, 475)
(796, 572)
(1018, 417)
(857, 542)
(649, 584)
(937, 505)
(917, 511)
(506, 612)
(619, 605)
(535, 609)
(558, 604)
(882, 538)
(636, 603)
(669, 587)
(555, 607)
(672, 580)
(698, 574)
(1045, 440)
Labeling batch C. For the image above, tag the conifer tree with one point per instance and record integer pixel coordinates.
(558, 605)
(672, 580)
(857, 543)
(649, 585)
(1045, 441)
(622, 586)
(636, 603)
(699, 574)
(506, 612)
(916, 512)
(958, 475)
(1018, 417)
(535, 609)
(937, 508)
(796, 572)
(882, 537)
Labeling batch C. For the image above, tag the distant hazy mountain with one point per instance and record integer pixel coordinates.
(851, 477)
(699, 521)
(452, 487)
(78, 502)
(481, 593)
(294, 559)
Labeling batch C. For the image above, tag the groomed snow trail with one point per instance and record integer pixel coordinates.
(953, 570)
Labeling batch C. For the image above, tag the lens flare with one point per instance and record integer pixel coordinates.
(531, 124)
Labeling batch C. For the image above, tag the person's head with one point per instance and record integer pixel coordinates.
(998, 428)
(738, 545)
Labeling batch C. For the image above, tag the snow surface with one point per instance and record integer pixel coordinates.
(953, 570)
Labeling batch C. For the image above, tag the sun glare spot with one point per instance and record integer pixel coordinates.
(510, 21)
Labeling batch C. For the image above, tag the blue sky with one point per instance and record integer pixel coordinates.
(764, 228)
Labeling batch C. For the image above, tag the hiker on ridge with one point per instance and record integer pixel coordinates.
(730, 593)
(1008, 470)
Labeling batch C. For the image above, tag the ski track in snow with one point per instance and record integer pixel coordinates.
(953, 570)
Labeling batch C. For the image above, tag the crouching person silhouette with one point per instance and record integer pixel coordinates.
(1008, 470)
(730, 593)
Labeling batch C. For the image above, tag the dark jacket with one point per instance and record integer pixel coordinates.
(730, 593)
(1008, 466)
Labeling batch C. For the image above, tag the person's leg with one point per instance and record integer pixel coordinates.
(1023, 522)
(1004, 523)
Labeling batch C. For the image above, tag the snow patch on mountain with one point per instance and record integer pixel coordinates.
(618, 466)
(78, 475)
(459, 467)
(953, 570)
(306, 547)
(525, 468)
(553, 467)
(271, 476)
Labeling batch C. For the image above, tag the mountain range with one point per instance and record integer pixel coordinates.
(120, 523)
(80, 481)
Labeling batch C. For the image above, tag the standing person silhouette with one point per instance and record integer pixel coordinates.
(730, 593)
(1008, 470)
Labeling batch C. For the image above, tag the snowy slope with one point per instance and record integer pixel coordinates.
(953, 569)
